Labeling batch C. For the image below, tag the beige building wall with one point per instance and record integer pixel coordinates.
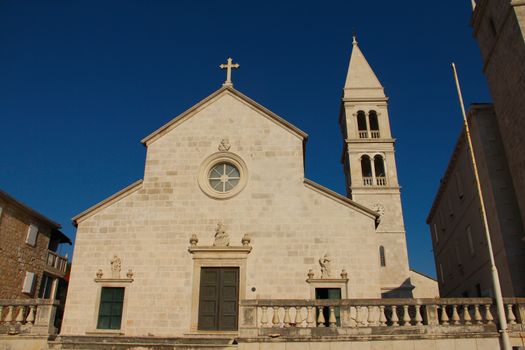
(424, 286)
(499, 28)
(292, 223)
(460, 248)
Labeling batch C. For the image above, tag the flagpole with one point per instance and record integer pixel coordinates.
(494, 271)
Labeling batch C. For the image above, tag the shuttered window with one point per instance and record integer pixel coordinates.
(32, 233)
(110, 310)
(29, 283)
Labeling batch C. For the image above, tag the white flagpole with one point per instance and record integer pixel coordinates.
(494, 271)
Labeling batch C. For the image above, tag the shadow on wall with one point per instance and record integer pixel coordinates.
(403, 291)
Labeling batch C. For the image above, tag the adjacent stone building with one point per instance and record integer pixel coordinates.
(29, 265)
(456, 224)
(499, 28)
(460, 249)
(225, 214)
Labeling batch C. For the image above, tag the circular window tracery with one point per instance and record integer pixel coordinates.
(222, 175)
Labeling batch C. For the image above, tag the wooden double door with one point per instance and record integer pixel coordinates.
(219, 299)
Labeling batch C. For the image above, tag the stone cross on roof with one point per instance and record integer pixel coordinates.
(229, 67)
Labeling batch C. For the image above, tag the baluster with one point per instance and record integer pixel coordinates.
(310, 317)
(1, 312)
(287, 316)
(455, 315)
(31, 316)
(466, 315)
(275, 317)
(370, 319)
(320, 318)
(477, 315)
(264, 317)
(21, 313)
(9, 316)
(362, 318)
(332, 321)
(394, 319)
(444, 316)
(510, 315)
(382, 316)
(298, 318)
(488, 315)
(419, 319)
(406, 316)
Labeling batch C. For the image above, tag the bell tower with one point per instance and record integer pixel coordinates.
(370, 168)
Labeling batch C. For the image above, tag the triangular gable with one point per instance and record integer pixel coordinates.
(224, 90)
(341, 199)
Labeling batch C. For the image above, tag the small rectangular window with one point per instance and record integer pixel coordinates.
(450, 207)
(29, 283)
(436, 233)
(470, 241)
(458, 253)
(459, 185)
(441, 274)
(32, 233)
(110, 309)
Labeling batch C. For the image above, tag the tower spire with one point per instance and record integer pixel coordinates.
(361, 79)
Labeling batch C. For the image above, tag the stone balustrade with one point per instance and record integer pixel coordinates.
(56, 264)
(27, 316)
(265, 317)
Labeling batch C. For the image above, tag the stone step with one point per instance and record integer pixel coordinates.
(141, 343)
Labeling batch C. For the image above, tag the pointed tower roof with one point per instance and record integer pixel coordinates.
(361, 81)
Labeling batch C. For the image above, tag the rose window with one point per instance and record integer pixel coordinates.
(223, 177)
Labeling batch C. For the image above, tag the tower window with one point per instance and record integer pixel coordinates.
(361, 125)
(374, 124)
(366, 170)
(382, 259)
(379, 167)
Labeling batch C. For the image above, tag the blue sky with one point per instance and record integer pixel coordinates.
(82, 82)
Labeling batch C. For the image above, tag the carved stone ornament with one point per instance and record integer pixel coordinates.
(116, 267)
(326, 266)
(310, 274)
(129, 274)
(246, 239)
(379, 209)
(224, 145)
(344, 274)
(222, 239)
(194, 240)
(100, 274)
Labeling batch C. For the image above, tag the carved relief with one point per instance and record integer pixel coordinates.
(222, 239)
(246, 239)
(116, 267)
(194, 240)
(326, 266)
(224, 145)
(379, 209)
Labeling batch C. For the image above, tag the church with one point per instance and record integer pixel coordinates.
(225, 214)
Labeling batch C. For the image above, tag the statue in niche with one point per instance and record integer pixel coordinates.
(222, 239)
(326, 266)
(116, 266)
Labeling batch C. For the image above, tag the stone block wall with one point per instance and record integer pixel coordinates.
(16, 256)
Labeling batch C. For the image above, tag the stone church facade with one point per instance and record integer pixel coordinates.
(224, 213)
